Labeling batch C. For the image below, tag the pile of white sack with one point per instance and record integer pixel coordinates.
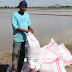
(50, 58)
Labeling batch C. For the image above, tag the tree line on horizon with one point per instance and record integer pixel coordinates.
(40, 7)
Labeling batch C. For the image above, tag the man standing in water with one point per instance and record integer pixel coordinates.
(21, 26)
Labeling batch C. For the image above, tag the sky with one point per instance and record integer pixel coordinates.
(36, 3)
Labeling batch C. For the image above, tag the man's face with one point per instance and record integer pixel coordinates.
(22, 8)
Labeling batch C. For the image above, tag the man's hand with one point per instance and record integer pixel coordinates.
(23, 30)
(27, 31)
(31, 30)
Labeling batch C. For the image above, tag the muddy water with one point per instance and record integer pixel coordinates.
(47, 24)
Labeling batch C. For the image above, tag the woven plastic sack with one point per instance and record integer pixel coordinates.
(67, 57)
(33, 54)
(26, 68)
(9, 69)
(52, 59)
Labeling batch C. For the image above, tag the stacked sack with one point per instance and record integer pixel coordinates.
(50, 58)
(55, 58)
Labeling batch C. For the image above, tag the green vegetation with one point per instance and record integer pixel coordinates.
(50, 8)
(8, 7)
(40, 7)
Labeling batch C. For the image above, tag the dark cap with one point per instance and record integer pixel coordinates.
(23, 3)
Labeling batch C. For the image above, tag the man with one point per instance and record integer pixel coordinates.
(21, 26)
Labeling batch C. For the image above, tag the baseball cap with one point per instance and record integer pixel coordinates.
(23, 3)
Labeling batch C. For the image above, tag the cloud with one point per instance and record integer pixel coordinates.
(48, 2)
(36, 3)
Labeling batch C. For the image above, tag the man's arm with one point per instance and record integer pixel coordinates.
(23, 30)
(31, 30)
(15, 25)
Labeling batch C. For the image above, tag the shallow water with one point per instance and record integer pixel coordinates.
(47, 24)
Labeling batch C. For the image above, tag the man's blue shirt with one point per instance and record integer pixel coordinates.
(20, 21)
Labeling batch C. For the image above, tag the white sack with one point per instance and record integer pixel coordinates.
(50, 58)
(33, 54)
(67, 57)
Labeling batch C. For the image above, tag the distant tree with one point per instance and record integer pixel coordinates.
(5, 6)
(67, 6)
